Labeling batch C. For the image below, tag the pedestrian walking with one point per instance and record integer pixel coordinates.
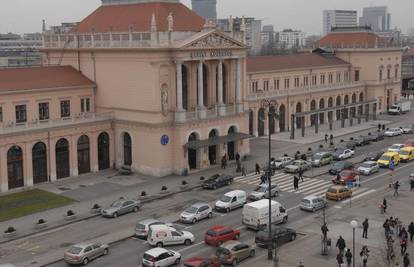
(358, 181)
(263, 179)
(384, 203)
(295, 182)
(331, 138)
(340, 259)
(224, 161)
(390, 248)
(387, 228)
(340, 244)
(326, 138)
(383, 127)
(406, 260)
(301, 264)
(244, 171)
(325, 231)
(411, 231)
(257, 168)
(348, 257)
(403, 233)
(379, 127)
(364, 254)
(411, 184)
(365, 226)
(300, 173)
(403, 245)
(396, 186)
(400, 230)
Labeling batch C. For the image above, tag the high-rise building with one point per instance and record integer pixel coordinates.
(205, 8)
(338, 18)
(289, 38)
(377, 17)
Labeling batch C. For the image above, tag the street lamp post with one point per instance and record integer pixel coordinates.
(267, 104)
(354, 224)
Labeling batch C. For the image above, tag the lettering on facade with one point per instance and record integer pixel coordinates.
(212, 53)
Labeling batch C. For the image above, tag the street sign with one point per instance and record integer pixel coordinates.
(350, 184)
(164, 140)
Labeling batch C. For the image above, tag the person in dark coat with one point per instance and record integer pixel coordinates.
(348, 257)
(340, 259)
(295, 182)
(411, 184)
(340, 244)
(411, 231)
(406, 260)
(365, 226)
(384, 204)
(300, 173)
(257, 168)
(324, 230)
(326, 138)
(403, 244)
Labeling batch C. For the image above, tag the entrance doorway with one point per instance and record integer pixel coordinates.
(127, 149)
(260, 121)
(62, 158)
(212, 150)
(103, 151)
(282, 118)
(272, 125)
(39, 160)
(251, 118)
(84, 164)
(231, 150)
(192, 153)
(15, 167)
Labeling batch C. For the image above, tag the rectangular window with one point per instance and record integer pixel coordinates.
(314, 80)
(65, 108)
(85, 105)
(296, 82)
(322, 79)
(276, 84)
(305, 80)
(1, 114)
(346, 76)
(43, 111)
(266, 85)
(396, 73)
(388, 73)
(330, 78)
(82, 105)
(286, 83)
(338, 77)
(21, 113)
(357, 75)
(380, 75)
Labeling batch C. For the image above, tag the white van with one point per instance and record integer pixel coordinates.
(255, 215)
(164, 235)
(231, 200)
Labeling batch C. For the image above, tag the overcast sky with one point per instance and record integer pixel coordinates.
(26, 15)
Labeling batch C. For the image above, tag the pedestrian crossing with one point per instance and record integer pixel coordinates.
(309, 186)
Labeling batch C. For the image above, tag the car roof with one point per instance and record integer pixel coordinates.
(148, 221)
(155, 252)
(370, 162)
(390, 153)
(219, 227)
(409, 148)
(84, 244)
(235, 192)
(230, 244)
(311, 197)
(199, 204)
(337, 187)
(397, 144)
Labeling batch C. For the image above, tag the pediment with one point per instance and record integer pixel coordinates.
(212, 40)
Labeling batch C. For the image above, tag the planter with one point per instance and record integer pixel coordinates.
(40, 225)
(9, 234)
(70, 217)
(183, 186)
(163, 192)
(144, 197)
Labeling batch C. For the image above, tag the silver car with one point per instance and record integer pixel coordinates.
(121, 206)
(281, 162)
(297, 165)
(142, 227)
(313, 203)
(83, 253)
(368, 167)
(196, 212)
(262, 191)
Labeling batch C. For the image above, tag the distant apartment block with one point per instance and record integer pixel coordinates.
(338, 18)
(377, 17)
(205, 8)
(20, 50)
(289, 38)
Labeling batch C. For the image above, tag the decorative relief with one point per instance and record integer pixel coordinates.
(164, 99)
(214, 40)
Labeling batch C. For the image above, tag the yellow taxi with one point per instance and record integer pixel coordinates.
(385, 159)
(406, 154)
(338, 192)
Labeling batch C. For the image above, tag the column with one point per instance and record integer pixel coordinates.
(220, 103)
(52, 159)
(239, 107)
(179, 86)
(74, 155)
(255, 124)
(112, 142)
(201, 108)
(4, 182)
(94, 152)
(28, 164)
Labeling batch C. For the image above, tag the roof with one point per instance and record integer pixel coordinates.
(296, 61)
(350, 39)
(120, 18)
(14, 79)
(200, 204)
(155, 252)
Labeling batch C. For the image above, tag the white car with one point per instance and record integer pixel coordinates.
(407, 130)
(344, 154)
(395, 148)
(393, 132)
(368, 167)
(281, 162)
(163, 235)
(196, 212)
(160, 257)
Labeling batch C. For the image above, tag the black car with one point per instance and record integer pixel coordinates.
(376, 136)
(373, 156)
(340, 166)
(217, 180)
(280, 236)
(362, 140)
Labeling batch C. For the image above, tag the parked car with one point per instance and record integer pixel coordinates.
(313, 203)
(373, 156)
(395, 148)
(217, 235)
(338, 192)
(406, 154)
(368, 167)
(233, 252)
(376, 136)
(262, 191)
(362, 140)
(408, 129)
(346, 145)
(393, 132)
(340, 166)
(387, 157)
(297, 165)
(196, 212)
(142, 227)
(343, 154)
(121, 206)
(83, 253)
(409, 143)
(201, 262)
(217, 180)
(321, 158)
(280, 236)
(231, 200)
(281, 162)
(160, 257)
(345, 177)
(164, 235)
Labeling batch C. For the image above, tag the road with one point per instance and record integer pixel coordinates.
(130, 251)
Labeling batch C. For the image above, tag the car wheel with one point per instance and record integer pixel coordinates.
(159, 244)
(237, 237)
(105, 252)
(228, 210)
(194, 221)
(210, 215)
(136, 209)
(115, 215)
(252, 252)
(177, 261)
(85, 261)
(234, 262)
(292, 237)
(187, 242)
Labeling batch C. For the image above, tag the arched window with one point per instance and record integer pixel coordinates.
(103, 151)
(84, 164)
(39, 159)
(62, 158)
(15, 167)
(127, 149)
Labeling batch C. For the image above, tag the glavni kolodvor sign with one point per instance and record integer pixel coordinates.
(212, 53)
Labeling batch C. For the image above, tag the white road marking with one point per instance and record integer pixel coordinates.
(359, 196)
(191, 246)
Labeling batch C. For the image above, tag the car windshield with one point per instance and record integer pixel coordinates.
(191, 210)
(395, 146)
(148, 257)
(222, 250)
(317, 157)
(140, 226)
(225, 198)
(385, 157)
(297, 163)
(116, 204)
(332, 190)
(404, 152)
(211, 233)
(339, 152)
(339, 165)
(345, 173)
(261, 189)
(307, 201)
(367, 165)
(75, 250)
(278, 160)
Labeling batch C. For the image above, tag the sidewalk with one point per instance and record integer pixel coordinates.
(339, 224)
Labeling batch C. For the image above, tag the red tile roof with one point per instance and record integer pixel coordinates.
(284, 62)
(41, 78)
(120, 18)
(349, 39)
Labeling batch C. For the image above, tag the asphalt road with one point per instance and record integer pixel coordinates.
(129, 252)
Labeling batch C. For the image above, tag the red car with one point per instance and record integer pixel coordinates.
(202, 262)
(219, 234)
(345, 176)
